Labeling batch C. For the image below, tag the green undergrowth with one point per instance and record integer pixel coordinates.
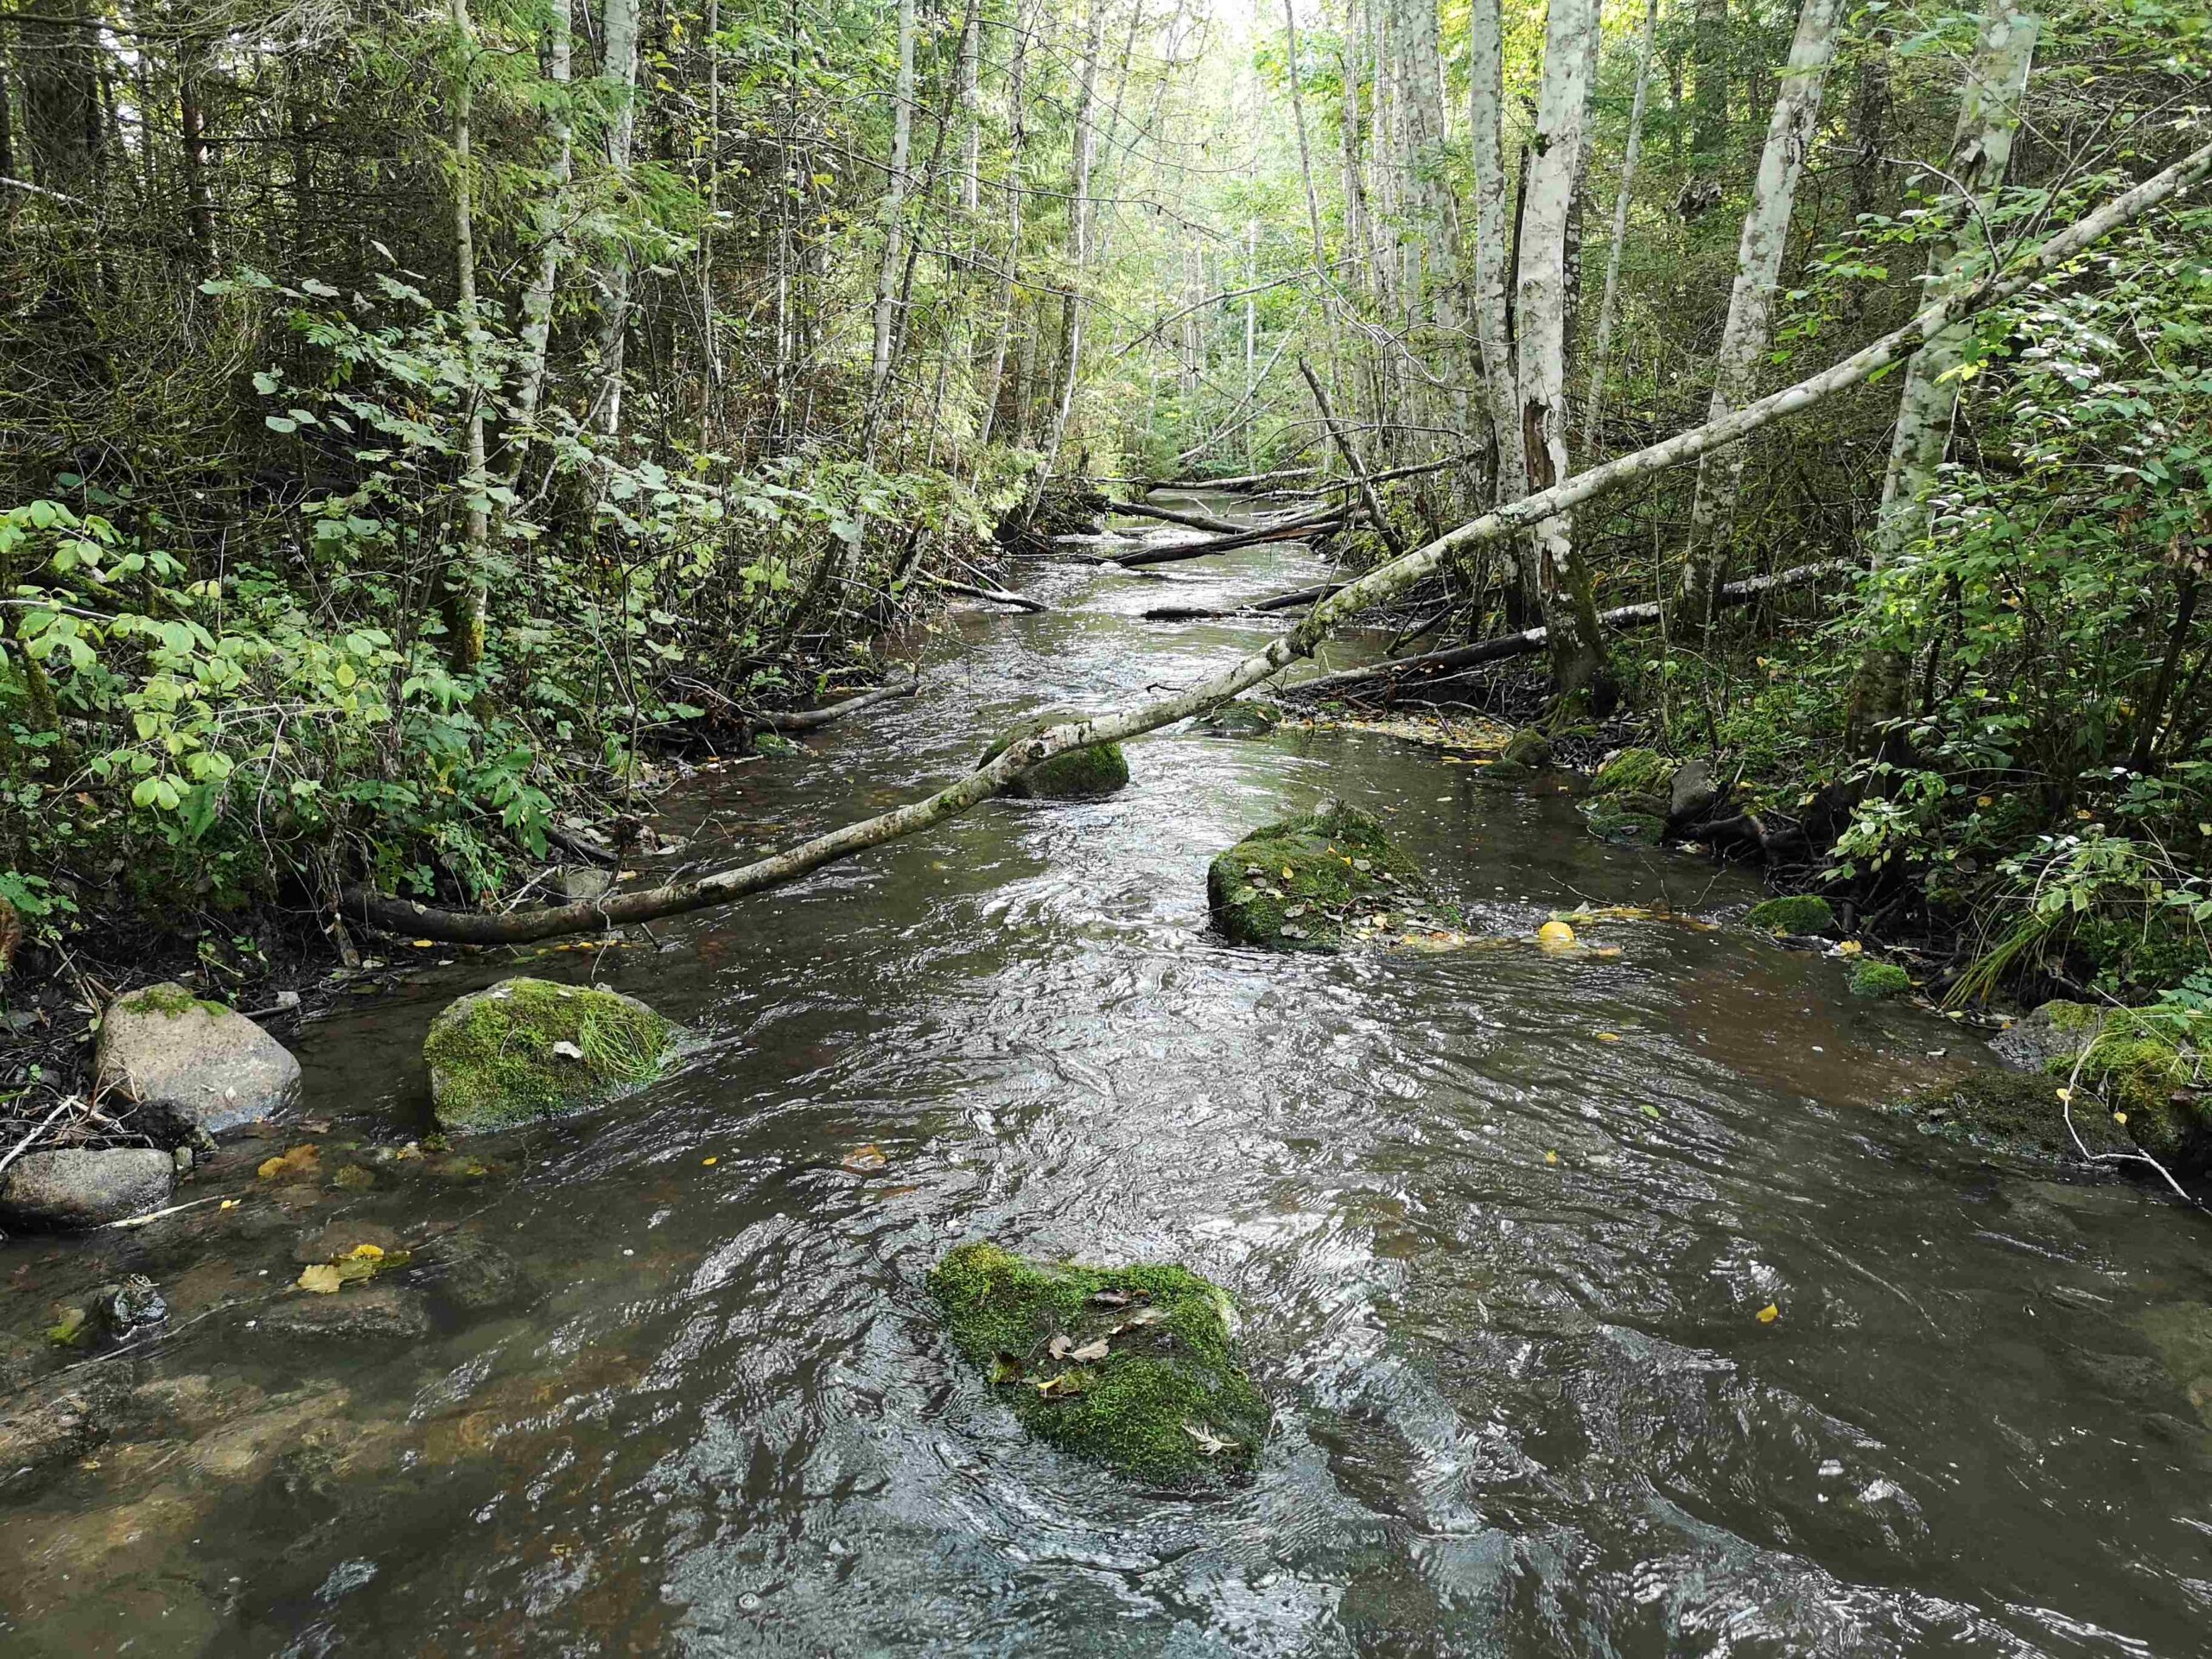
(1165, 1403)
(503, 1056)
(1311, 882)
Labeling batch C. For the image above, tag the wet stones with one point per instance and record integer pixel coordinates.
(193, 1067)
(1312, 882)
(1242, 717)
(382, 1314)
(468, 1275)
(85, 1186)
(1628, 799)
(2056, 1031)
(1087, 774)
(1131, 1366)
(525, 1049)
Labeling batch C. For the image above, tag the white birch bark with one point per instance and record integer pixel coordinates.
(1486, 59)
(1305, 153)
(1748, 333)
(894, 216)
(1017, 142)
(1981, 150)
(971, 135)
(1080, 249)
(617, 65)
(1608, 303)
(471, 582)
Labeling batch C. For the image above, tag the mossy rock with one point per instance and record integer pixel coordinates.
(1797, 913)
(1528, 749)
(1307, 883)
(1242, 717)
(1879, 979)
(2140, 1074)
(1629, 823)
(1089, 774)
(2010, 1112)
(2058, 1031)
(1634, 771)
(1164, 1402)
(525, 1049)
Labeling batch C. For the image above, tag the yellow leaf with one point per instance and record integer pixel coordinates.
(1551, 1157)
(1768, 1314)
(1983, 800)
(1287, 875)
(1849, 948)
(228, 1203)
(2121, 1118)
(2065, 1095)
(1609, 1036)
(710, 1162)
(368, 1252)
(270, 1168)
(425, 944)
(1555, 936)
(322, 1279)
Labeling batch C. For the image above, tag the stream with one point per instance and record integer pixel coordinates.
(1500, 1226)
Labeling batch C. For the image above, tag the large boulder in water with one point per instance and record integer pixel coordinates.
(1132, 1366)
(1309, 882)
(82, 1186)
(194, 1067)
(1089, 774)
(526, 1048)
(1628, 799)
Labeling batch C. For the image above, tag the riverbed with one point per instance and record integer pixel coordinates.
(1501, 1227)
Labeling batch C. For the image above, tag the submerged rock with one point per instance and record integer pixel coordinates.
(1796, 912)
(134, 1304)
(2008, 1112)
(192, 1066)
(380, 1314)
(1132, 1366)
(1627, 801)
(84, 1187)
(1304, 882)
(1089, 774)
(526, 1048)
(1628, 822)
(1242, 717)
(468, 1275)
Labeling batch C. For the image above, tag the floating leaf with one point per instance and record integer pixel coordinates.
(1551, 1157)
(300, 1164)
(865, 1158)
(1768, 1314)
(1609, 1036)
(708, 1163)
(1649, 1110)
(323, 1279)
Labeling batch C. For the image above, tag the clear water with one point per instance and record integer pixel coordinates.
(1500, 1276)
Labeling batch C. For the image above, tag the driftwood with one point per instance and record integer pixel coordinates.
(721, 886)
(812, 719)
(1291, 600)
(1531, 640)
(1192, 520)
(1290, 529)
(996, 596)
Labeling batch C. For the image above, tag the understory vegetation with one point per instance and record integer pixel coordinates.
(417, 425)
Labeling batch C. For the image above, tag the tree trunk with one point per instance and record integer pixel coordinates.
(1601, 351)
(1748, 333)
(894, 223)
(551, 223)
(1073, 308)
(1304, 154)
(971, 119)
(619, 65)
(1568, 599)
(467, 588)
(1493, 273)
(1017, 139)
(1709, 87)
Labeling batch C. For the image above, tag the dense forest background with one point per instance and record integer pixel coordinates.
(412, 422)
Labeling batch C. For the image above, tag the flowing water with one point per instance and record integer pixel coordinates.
(1500, 1226)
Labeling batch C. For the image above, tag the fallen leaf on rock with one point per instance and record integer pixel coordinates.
(865, 1158)
(1055, 1387)
(1143, 1316)
(322, 1279)
(1110, 1298)
(567, 1052)
(1058, 1348)
(1090, 1353)
(300, 1164)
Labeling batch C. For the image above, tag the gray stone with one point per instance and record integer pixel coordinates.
(80, 1187)
(340, 1238)
(132, 1306)
(2058, 1031)
(192, 1067)
(469, 1274)
(1692, 792)
(37, 1435)
(581, 882)
(380, 1314)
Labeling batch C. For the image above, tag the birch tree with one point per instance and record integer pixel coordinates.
(618, 69)
(1748, 332)
(894, 221)
(467, 586)
(1486, 72)
(1631, 150)
(550, 220)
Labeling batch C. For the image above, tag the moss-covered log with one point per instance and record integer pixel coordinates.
(1131, 1366)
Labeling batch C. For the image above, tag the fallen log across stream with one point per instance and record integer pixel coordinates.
(721, 886)
(1289, 530)
(1289, 601)
(996, 596)
(1529, 641)
(1175, 515)
(813, 719)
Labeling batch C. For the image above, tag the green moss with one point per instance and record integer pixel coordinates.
(1528, 749)
(170, 1000)
(1304, 882)
(1799, 913)
(1880, 979)
(1168, 1404)
(2140, 1074)
(1087, 774)
(1612, 820)
(1634, 772)
(2010, 1111)
(492, 1054)
(2075, 1019)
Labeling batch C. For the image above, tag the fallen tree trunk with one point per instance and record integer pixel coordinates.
(1289, 601)
(996, 596)
(1228, 486)
(721, 886)
(812, 719)
(1192, 520)
(1528, 641)
(1291, 530)
(1368, 498)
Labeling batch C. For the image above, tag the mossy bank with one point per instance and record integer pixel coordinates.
(525, 1048)
(1131, 1366)
(1313, 882)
